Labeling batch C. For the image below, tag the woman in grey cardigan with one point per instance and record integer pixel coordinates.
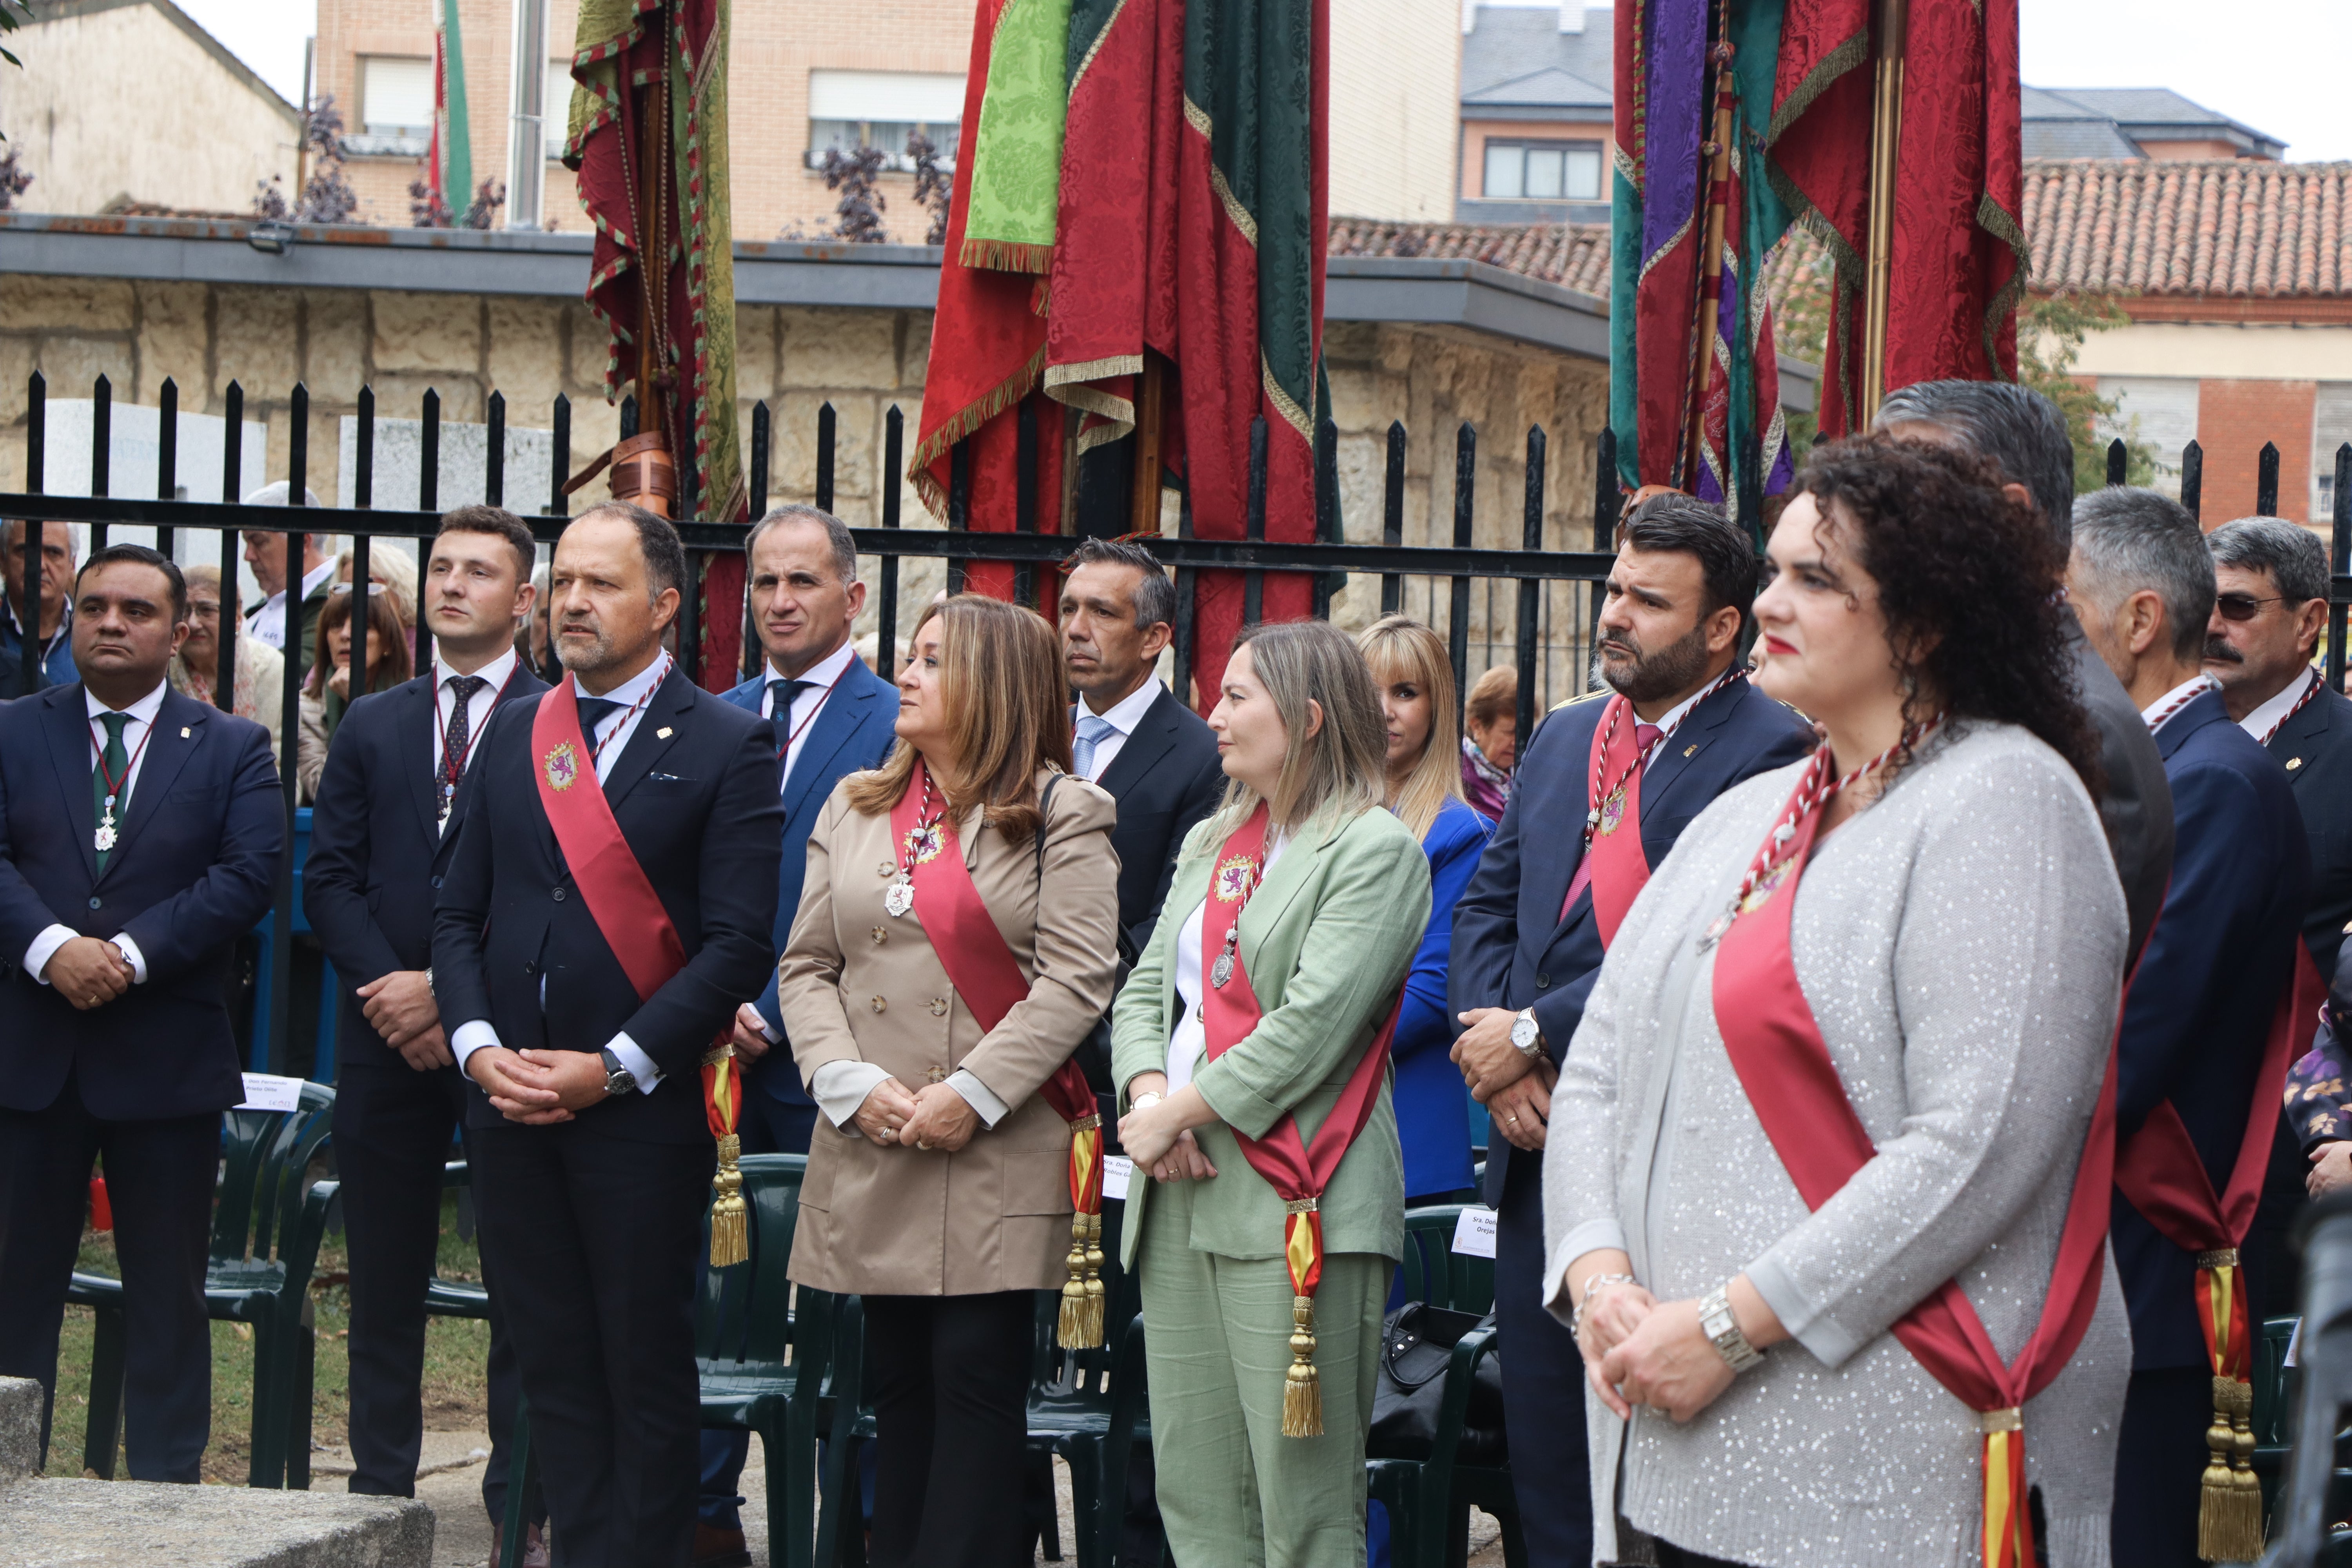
(1774, 1273)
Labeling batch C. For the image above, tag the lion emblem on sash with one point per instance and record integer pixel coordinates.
(561, 766)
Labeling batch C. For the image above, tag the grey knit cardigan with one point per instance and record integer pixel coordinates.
(1962, 944)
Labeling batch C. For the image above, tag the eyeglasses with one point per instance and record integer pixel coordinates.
(2243, 607)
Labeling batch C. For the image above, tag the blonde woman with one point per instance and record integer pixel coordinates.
(1415, 681)
(1260, 1012)
(943, 968)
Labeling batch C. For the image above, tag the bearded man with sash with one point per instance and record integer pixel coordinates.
(2225, 999)
(607, 907)
(1604, 789)
(1827, 1181)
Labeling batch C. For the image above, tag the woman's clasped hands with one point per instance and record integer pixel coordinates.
(935, 1116)
(1158, 1135)
(1638, 1350)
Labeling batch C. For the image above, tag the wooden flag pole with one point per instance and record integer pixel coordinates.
(1892, 22)
(1150, 400)
(644, 469)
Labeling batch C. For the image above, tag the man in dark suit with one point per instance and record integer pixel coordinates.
(2023, 434)
(2202, 1005)
(1155, 756)
(396, 784)
(2269, 608)
(1528, 939)
(140, 832)
(832, 716)
(558, 980)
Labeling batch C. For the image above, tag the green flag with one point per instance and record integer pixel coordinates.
(453, 144)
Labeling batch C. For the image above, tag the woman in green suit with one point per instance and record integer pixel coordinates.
(1249, 1044)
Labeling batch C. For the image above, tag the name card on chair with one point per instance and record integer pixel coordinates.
(269, 1091)
(1473, 1232)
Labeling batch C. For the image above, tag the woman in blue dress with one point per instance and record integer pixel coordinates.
(1415, 681)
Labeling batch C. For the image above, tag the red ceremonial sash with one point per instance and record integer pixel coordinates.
(1297, 1170)
(629, 915)
(1620, 869)
(985, 974)
(2159, 1172)
(1776, 1048)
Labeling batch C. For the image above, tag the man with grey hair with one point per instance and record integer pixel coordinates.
(833, 717)
(2190, 1052)
(53, 665)
(2024, 436)
(265, 557)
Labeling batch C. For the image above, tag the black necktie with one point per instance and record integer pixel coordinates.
(457, 736)
(593, 710)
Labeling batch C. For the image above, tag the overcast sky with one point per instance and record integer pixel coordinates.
(2279, 66)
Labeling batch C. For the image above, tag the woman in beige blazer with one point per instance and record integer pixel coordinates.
(938, 1181)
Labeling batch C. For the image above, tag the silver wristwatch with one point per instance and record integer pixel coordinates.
(619, 1078)
(1717, 1322)
(1527, 1035)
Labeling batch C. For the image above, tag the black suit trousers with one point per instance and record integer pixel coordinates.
(2159, 1461)
(1543, 1381)
(951, 1415)
(592, 1241)
(393, 1132)
(160, 1177)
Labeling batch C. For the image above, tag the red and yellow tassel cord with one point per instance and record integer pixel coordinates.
(722, 1097)
(1302, 1388)
(2008, 1521)
(1080, 1326)
(2230, 1512)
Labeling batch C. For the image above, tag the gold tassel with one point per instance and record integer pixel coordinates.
(1071, 1330)
(730, 1236)
(1091, 1330)
(1302, 1389)
(2229, 1515)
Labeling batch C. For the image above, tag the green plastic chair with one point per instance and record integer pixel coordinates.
(1429, 1500)
(760, 1355)
(265, 1236)
(1071, 1394)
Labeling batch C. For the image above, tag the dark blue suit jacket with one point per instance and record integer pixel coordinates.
(1511, 948)
(1166, 777)
(2201, 1000)
(2315, 747)
(377, 851)
(1432, 1111)
(202, 834)
(695, 794)
(850, 735)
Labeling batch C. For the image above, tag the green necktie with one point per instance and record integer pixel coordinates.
(111, 803)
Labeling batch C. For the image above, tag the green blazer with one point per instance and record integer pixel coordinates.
(1326, 940)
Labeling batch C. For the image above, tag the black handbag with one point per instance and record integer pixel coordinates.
(1417, 1344)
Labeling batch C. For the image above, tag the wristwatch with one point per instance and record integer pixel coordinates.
(1527, 1036)
(619, 1078)
(1721, 1326)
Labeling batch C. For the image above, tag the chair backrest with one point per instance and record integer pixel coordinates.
(266, 1152)
(1057, 1373)
(2269, 1380)
(1435, 1272)
(744, 1316)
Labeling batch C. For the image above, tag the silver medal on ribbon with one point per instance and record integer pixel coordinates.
(899, 897)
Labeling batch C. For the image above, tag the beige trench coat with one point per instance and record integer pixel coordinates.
(855, 984)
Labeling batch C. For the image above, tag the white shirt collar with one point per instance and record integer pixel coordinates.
(2264, 719)
(637, 685)
(825, 671)
(1127, 712)
(2187, 688)
(144, 710)
(495, 673)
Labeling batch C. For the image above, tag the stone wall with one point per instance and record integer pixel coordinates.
(863, 362)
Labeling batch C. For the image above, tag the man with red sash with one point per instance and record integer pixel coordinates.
(608, 906)
(2215, 1012)
(1604, 789)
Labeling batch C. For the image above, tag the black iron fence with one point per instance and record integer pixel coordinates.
(1547, 587)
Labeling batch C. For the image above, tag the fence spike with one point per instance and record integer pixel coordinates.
(2266, 481)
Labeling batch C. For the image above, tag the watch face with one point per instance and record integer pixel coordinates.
(1523, 1033)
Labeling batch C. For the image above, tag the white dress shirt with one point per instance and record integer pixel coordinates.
(1189, 1041)
(2190, 688)
(793, 728)
(494, 675)
(268, 623)
(1123, 716)
(615, 729)
(141, 717)
(2266, 718)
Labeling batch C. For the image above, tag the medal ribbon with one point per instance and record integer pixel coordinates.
(1298, 1171)
(116, 787)
(630, 917)
(451, 774)
(988, 978)
(1776, 1048)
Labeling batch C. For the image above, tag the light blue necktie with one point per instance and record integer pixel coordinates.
(1092, 733)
